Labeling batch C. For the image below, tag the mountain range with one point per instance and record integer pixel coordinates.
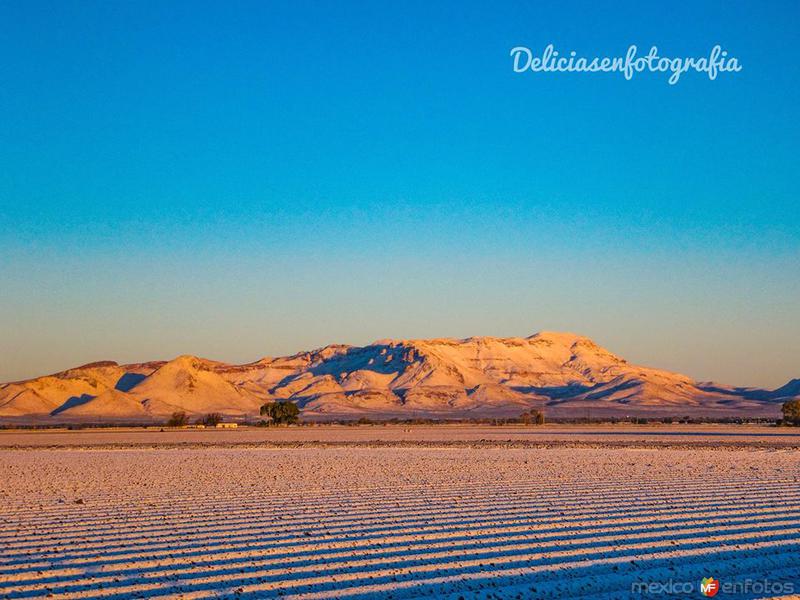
(564, 374)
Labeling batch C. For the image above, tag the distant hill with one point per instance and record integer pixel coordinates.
(564, 374)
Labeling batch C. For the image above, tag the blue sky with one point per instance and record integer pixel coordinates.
(237, 180)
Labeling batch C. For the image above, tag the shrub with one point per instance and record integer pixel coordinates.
(281, 413)
(178, 419)
(791, 412)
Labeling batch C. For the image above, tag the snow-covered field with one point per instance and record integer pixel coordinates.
(399, 522)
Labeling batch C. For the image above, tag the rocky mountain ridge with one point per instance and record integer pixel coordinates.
(564, 374)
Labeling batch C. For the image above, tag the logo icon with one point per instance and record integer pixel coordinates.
(709, 586)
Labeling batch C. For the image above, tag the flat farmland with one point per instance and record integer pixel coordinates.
(445, 518)
(654, 435)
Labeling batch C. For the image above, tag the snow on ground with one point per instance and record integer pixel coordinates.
(401, 522)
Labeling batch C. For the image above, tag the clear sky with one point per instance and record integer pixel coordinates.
(235, 180)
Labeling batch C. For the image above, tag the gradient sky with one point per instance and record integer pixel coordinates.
(236, 180)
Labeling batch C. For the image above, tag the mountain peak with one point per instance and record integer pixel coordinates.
(562, 338)
(187, 361)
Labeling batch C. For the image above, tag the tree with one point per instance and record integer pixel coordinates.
(178, 419)
(281, 413)
(535, 417)
(791, 412)
(212, 419)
